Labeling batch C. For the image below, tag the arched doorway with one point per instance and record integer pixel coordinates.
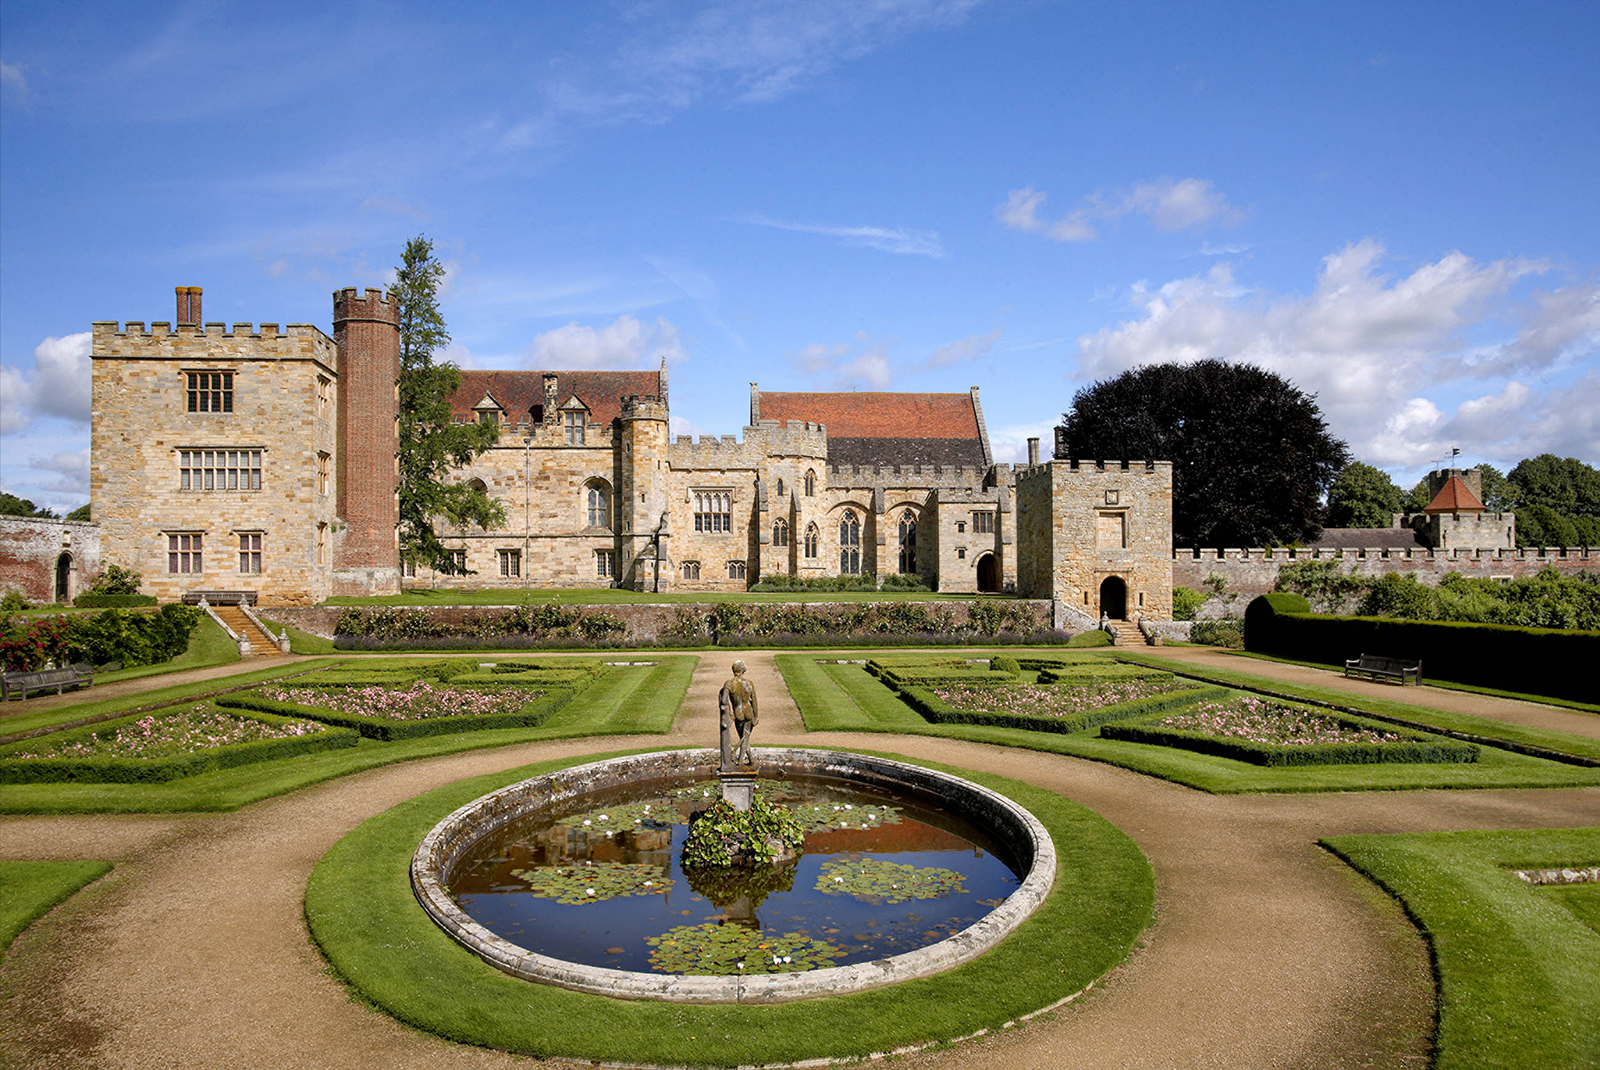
(1114, 598)
(64, 577)
(988, 573)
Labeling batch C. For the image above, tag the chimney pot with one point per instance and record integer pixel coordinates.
(1033, 451)
(188, 306)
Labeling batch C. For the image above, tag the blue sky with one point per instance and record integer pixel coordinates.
(1392, 205)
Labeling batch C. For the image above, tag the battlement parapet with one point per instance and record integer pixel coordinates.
(1076, 464)
(643, 407)
(373, 305)
(920, 475)
(214, 341)
(1407, 553)
(759, 443)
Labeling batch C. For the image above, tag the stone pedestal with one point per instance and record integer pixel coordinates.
(738, 787)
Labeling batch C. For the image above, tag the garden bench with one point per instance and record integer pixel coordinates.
(1377, 668)
(18, 684)
(220, 598)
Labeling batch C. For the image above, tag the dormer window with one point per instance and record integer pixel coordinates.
(488, 411)
(574, 419)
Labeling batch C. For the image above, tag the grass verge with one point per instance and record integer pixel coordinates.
(363, 916)
(1518, 973)
(629, 700)
(29, 889)
(846, 698)
(1400, 712)
(1448, 685)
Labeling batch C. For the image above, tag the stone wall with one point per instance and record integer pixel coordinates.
(141, 423)
(1249, 572)
(31, 552)
(1082, 524)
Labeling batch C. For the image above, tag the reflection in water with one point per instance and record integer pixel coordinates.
(606, 922)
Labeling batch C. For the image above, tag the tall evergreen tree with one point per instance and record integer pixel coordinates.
(431, 443)
(1251, 454)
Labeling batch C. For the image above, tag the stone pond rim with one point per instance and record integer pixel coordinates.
(1012, 825)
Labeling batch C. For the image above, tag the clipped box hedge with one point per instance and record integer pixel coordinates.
(1417, 748)
(531, 715)
(1102, 672)
(1541, 661)
(173, 767)
(938, 711)
(902, 677)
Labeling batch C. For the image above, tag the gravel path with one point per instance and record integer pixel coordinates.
(1265, 952)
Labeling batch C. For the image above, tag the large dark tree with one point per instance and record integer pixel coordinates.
(1362, 497)
(431, 443)
(1251, 454)
(1564, 484)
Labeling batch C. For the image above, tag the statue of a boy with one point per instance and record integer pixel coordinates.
(737, 704)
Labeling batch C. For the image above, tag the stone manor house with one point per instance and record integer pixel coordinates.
(256, 458)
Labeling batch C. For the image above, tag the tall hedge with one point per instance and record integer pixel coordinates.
(1540, 661)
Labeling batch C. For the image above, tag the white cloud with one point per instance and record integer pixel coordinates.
(59, 384)
(1182, 204)
(965, 349)
(844, 367)
(1010, 443)
(71, 471)
(899, 240)
(1393, 360)
(11, 77)
(678, 425)
(625, 343)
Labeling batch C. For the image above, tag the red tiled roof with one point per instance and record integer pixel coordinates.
(1455, 497)
(519, 391)
(873, 414)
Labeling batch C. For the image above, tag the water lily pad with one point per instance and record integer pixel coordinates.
(828, 816)
(875, 881)
(733, 949)
(625, 816)
(594, 882)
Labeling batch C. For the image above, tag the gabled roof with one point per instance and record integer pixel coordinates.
(881, 428)
(1455, 497)
(519, 391)
(1367, 539)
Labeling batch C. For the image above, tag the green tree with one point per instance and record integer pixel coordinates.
(431, 443)
(80, 513)
(1499, 493)
(1564, 484)
(1252, 457)
(1416, 499)
(11, 505)
(1362, 497)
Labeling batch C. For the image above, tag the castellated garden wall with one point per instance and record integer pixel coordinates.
(1250, 572)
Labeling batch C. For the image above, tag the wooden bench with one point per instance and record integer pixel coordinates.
(220, 598)
(1376, 668)
(18, 684)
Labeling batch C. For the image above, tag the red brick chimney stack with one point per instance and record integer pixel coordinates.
(188, 306)
(366, 330)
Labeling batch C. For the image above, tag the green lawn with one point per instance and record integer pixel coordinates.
(845, 697)
(1420, 716)
(28, 890)
(627, 700)
(364, 917)
(1518, 969)
(612, 596)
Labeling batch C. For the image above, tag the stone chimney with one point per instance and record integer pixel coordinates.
(188, 306)
(1033, 451)
(551, 399)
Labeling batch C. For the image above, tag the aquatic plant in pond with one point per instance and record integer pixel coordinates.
(610, 820)
(723, 949)
(873, 880)
(1053, 700)
(419, 701)
(163, 735)
(1271, 723)
(826, 817)
(595, 882)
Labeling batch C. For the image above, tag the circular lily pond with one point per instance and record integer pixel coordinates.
(599, 883)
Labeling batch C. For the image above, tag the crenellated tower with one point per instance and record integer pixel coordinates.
(367, 333)
(643, 523)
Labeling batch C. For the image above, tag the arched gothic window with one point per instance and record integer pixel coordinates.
(811, 483)
(849, 544)
(780, 532)
(598, 497)
(908, 542)
(812, 538)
